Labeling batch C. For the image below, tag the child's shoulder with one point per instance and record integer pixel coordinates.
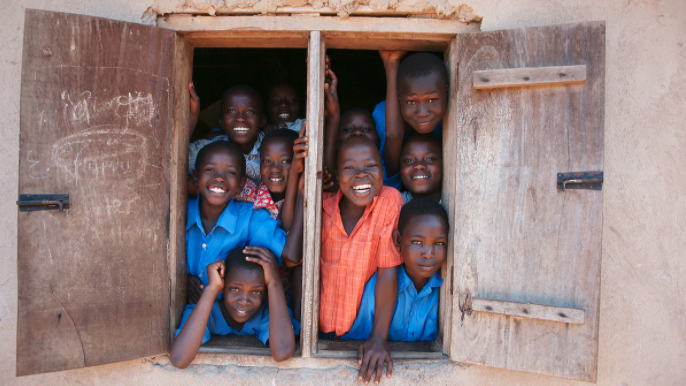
(390, 195)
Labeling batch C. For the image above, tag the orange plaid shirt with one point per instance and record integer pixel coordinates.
(348, 262)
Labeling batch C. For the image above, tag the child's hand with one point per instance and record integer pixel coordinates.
(300, 148)
(372, 354)
(195, 100)
(195, 288)
(267, 260)
(215, 275)
(388, 57)
(327, 180)
(331, 105)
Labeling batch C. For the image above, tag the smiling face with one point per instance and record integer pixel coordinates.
(244, 292)
(357, 122)
(423, 246)
(422, 101)
(219, 176)
(276, 156)
(421, 165)
(284, 104)
(241, 118)
(359, 173)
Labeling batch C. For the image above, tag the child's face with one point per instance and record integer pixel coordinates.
(241, 117)
(421, 166)
(219, 177)
(357, 124)
(244, 292)
(360, 175)
(276, 156)
(423, 246)
(422, 101)
(284, 104)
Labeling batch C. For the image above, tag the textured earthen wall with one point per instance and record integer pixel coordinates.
(643, 299)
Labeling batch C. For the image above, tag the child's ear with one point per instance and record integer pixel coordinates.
(263, 121)
(195, 175)
(396, 239)
(243, 181)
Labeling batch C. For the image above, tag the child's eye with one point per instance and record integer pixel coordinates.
(265, 161)
(209, 170)
(431, 158)
(371, 165)
(408, 160)
(231, 111)
(274, 101)
(233, 289)
(287, 161)
(250, 111)
(433, 100)
(440, 243)
(293, 101)
(257, 292)
(416, 242)
(347, 167)
(410, 102)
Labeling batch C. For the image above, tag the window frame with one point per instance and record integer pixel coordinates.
(316, 34)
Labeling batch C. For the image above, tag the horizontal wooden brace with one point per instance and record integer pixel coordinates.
(529, 76)
(529, 310)
(347, 349)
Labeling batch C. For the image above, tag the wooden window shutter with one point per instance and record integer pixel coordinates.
(97, 113)
(530, 104)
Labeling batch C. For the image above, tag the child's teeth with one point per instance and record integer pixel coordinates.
(284, 115)
(217, 190)
(420, 177)
(362, 187)
(276, 179)
(241, 129)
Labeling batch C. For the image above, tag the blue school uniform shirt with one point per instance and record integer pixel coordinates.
(415, 317)
(379, 116)
(239, 225)
(257, 326)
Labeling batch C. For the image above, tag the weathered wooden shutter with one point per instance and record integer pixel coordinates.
(530, 105)
(96, 124)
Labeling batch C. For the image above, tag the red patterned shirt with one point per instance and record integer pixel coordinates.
(260, 198)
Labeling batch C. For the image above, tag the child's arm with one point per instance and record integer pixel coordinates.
(300, 148)
(332, 117)
(375, 351)
(395, 126)
(195, 108)
(188, 341)
(281, 335)
(293, 250)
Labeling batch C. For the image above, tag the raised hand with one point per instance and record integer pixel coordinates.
(267, 260)
(215, 275)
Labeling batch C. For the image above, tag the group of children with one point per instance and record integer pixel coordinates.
(381, 249)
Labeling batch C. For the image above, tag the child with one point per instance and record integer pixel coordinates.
(422, 240)
(246, 279)
(241, 118)
(218, 224)
(284, 108)
(421, 167)
(416, 94)
(357, 223)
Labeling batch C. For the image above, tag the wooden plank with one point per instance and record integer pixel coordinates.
(345, 349)
(370, 41)
(530, 76)
(178, 205)
(313, 194)
(251, 41)
(529, 310)
(450, 159)
(239, 345)
(215, 27)
(96, 113)
(517, 238)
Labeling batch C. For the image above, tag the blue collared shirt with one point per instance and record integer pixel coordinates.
(379, 116)
(237, 227)
(416, 314)
(257, 326)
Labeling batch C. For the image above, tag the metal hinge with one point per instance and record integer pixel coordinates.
(580, 180)
(35, 202)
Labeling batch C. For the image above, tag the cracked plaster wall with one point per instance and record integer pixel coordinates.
(643, 296)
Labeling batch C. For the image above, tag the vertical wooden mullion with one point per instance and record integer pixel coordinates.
(450, 160)
(313, 194)
(178, 197)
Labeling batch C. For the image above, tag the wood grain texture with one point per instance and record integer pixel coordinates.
(178, 204)
(531, 76)
(239, 345)
(96, 123)
(346, 349)
(445, 308)
(529, 311)
(313, 194)
(516, 237)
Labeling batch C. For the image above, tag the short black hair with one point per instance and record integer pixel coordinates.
(243, 88)
(362, 110)
(236, 260)
(226, 145)
(284, 134)
(420, 65)
(422, 137)
(421, 207)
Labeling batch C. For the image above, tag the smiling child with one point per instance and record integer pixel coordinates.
(283, 108)
(422, 240)
(421, 167)
(357, 223)
(252, 303)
